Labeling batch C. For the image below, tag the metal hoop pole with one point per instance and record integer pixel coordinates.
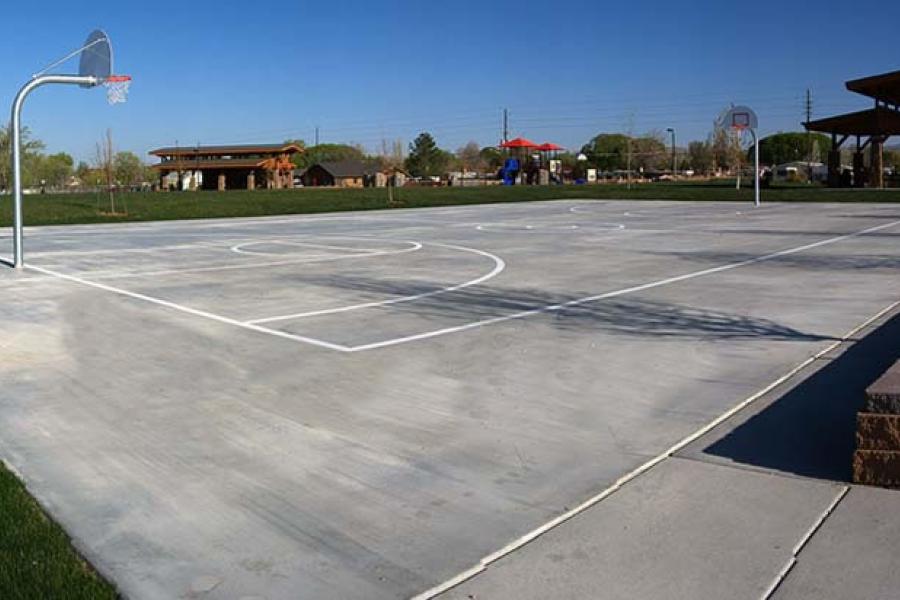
(16, 142)
(755, 165)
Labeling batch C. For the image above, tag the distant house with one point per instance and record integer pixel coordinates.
(345, 173)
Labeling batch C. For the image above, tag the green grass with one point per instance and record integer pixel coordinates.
(89, 208)
(36, 557)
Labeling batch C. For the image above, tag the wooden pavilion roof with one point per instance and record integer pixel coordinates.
(234, 150)
(884, 87)
(187, 164)
(878, 121)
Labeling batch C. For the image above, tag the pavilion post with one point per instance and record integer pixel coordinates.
(877, 162)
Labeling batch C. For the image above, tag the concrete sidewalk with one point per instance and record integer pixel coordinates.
(760, 507)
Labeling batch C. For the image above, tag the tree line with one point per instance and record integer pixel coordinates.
(722, 151)
(58, 171)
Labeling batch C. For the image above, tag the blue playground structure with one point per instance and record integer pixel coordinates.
(510, 171)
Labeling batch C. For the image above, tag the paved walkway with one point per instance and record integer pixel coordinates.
(758, 508)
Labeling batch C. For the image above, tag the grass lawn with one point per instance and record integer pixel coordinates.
(36, 557)
(148, 206)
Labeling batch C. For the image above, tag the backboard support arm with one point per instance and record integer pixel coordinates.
(16, 143)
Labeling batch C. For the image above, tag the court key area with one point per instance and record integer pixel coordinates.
(374, 404)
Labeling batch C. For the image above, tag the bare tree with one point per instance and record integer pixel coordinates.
(470, 157)
(391, 161)
(104, 159)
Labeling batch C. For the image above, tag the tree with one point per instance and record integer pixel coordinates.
(127, 169)
(390, 158)
(30, 149)
(327, 153)
(700, 157)
(491, 157)
(103, 161)
(53, 170)
(469, 157)
(726, 149)
(607, 151)
(650, 152)
(788, 147)
(425, 158)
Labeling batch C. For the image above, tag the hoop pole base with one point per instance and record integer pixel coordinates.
(16, 143)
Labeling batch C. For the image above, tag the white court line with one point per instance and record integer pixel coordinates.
(499, 265)
(518, 543)
(240, 248)
(174, 225)
(189, 310)
(150, 250)
(615, 293)
(544, 227)
(467, 326)
(277, 263)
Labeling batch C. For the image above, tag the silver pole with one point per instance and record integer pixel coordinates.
(755, 165)
(16, 142)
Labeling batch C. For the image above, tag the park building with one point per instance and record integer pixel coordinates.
(249, 167)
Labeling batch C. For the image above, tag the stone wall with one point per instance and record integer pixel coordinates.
(877, 457)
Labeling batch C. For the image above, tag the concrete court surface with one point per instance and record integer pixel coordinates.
(365, 405)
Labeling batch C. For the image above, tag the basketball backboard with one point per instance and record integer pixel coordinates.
(740, 117)
(96, 57)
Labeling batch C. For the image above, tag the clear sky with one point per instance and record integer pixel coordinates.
(240, 71)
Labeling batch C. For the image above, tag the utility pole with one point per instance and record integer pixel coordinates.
(317, 135)
(505, 125)
(674, 158)
(809, 136)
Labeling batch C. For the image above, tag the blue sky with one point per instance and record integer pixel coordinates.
(240, 72)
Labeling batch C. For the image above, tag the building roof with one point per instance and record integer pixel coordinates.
(875, 121)
(227, 150)
(344, 168)
(229, 163)
(884, 87)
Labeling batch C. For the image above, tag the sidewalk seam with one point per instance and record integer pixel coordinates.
(798, 548)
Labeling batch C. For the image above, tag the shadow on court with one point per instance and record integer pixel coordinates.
(613, 315)
(810, 430)
(829, 262)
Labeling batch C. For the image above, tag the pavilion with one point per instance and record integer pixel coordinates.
(230, 167)
(877, 124)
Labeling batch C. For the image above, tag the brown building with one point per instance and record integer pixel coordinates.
(220, 168)
(345, 173)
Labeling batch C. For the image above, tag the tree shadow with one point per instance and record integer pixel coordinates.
(797, 232)
(810, 430)
(623, 316)
(798, 259)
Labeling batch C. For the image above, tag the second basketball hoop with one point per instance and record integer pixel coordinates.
(743, 118)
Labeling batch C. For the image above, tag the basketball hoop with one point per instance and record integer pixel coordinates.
(95, 67)
(117, 88)
(741, 119)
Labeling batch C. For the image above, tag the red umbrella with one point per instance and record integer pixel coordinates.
(549, 147)
(519, 143)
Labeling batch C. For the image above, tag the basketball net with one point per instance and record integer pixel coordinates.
(117, 88)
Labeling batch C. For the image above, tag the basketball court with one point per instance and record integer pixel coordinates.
(369, 405)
